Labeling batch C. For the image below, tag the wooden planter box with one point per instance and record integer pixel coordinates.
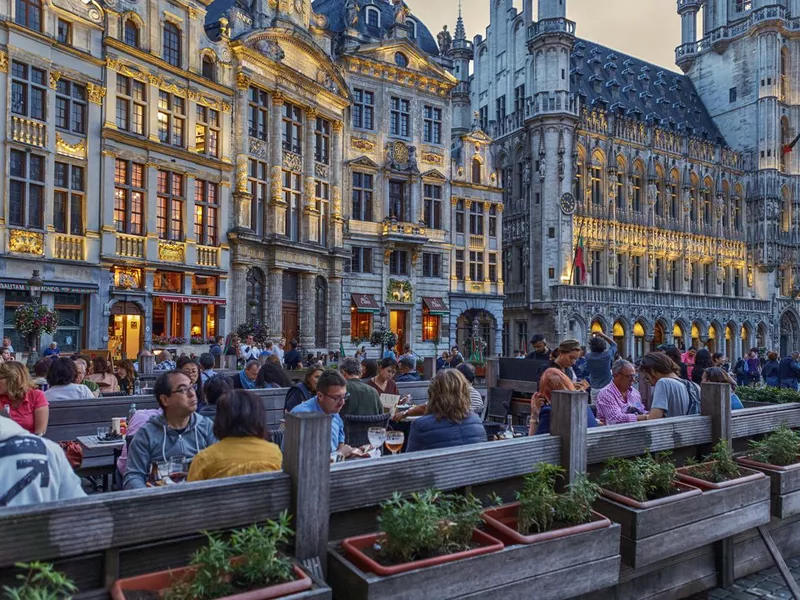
(552, 570)
(692, 520)
(785, 486)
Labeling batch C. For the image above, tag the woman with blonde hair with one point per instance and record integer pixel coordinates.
(552, 380)
(449, 421)
(27, 406)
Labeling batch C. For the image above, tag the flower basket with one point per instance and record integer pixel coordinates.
(35, 319)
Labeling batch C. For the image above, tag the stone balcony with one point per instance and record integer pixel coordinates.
(208, 256)
(69, 247)
(28, 131)
(405, 233)
(131, 246)
(492, 288)
(559, 25)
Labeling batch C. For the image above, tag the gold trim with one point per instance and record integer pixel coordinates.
(243, 81)
(96, 93)
(172, 252)
(54, 77)
(362, 144)
(3, 62)
(74, 150)
(157, 146)
(26, 242)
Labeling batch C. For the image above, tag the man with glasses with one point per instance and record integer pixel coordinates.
(331, 397)
(619, 401)
(179, 431)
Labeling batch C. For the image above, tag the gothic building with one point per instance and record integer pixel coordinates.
(655, 206)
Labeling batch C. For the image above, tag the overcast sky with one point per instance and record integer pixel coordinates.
(647, 29)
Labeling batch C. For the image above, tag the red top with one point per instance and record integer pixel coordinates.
(391, 387)
(23, 415)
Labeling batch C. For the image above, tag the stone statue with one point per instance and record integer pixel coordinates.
(400, 12)
(542, 169)
(271, 49)
(351, 8)
(476, 121)
(445, 41)
(561, 167)
(526, 173)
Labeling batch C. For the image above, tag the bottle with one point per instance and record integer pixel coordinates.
(153, 478)
(132, 411)
(7, 410)
(137, 388)
(509, 433)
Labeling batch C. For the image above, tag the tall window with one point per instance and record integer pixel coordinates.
(736, 208)
(207, 131)
(131, 103)
(64, 32)
(658, 280)
(706, 206)
(129, 190)
(460, 265)
(398, 262)
(674, 204)
(26, 190)
(363, 109)
(29, 14)
(209, 68)
(620, 190)
(131, 34)
(620, 271)
(292, 128)
(398, 207)
(323, 196)
(476, 266)
(737, 282)
(68, 194)
(172, 44)
(432, 125)
(636, 273)
(476, 218)
(361, 259)
(431, 264)
(493, 220)
(171, 197)
(362, 196)
(433, 205)
(400, 117)
(693, 209)
(373, 17)
(483, 117)
(519, 101)
(500, 109)
(322, 141)
(707, 281)
(637, 191)
(259, 114)
(596, 174)
(597, 267)
(206, 212)
(171, 119)
(259, 182)
(28, 91)
(674, 276)
(71, 106)
(460, 216)
(492, 267)
(291, 195)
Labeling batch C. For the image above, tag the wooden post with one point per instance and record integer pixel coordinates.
(492, 372)
(306, 458)
(569, 421)
(230, 362)
(146, 364)
(715, 402)
(429, 368)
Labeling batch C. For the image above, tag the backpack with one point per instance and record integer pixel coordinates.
(694, 398)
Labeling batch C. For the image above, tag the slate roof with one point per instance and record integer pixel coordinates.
(623, 84)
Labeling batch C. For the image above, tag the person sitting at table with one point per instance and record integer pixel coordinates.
(619, 401)
(672, 396)
(272, 375)
(82, 366)
(563, 359)
(27, 406)
(40, 370)
(450, 421)
(52, 350)
(407, 370)
(214, 389)
(191, 368)
(443, 362)
(246, 378)
(240, 427)
(719, 375)
(104, 375)
(55, 480)
(383, 382)
(302, 391)
(61, 381)
(139, 419)
(179, 431)
(164, 361)
(369, 368)
(126, 376)
(206, 367)
(363, 400)
(330, 398)
(475, 398)
(552, 380)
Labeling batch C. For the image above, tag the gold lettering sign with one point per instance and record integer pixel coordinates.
(171, 252)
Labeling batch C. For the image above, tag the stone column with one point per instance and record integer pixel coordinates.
(336, 222)
(238, 310)
(500, 265)
(416, 208)
(149, 276)
(307, 310)
(309, 229)
(151, 225)
(187, 308)
(277, 207)
(242, 197)
(335, 310)
(487, 284)
(274, 301)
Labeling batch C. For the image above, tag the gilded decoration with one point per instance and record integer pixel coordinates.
(276, 184)
(241, 174)
(258, 148)
(362, 144)
(172, 252)
(96, 93)
(3, 62)
(27, 242)
(292, 161)
(337, 126)
(399, 291)
(55, 76)
(74, 150)
(432, 158)
(243, 81)
(127, 278)
(336, 197)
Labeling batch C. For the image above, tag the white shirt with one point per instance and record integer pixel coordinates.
(249, 352)
(279, 351)
(71, 391)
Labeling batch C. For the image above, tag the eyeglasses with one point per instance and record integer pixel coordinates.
(337, 399)
(627, 376)
(183, 390)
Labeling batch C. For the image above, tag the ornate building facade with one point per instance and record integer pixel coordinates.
(637, 201)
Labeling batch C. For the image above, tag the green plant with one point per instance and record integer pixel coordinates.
(249, 560)
(257, 329)
(426, 524)
(781, 447)
(642, 478)
(718, 466)
(537, 499)
(770, 395)
(35, 319)
(40, 582)
(575, 506)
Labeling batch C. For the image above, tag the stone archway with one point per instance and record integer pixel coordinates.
(790, 332)
(621, 334)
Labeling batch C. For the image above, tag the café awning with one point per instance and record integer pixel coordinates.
(191, 299)
(436, 306)
(365, 303)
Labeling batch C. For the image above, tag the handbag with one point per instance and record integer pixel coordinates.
(73, 451)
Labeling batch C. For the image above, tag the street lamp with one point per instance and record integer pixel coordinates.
(35, 285)
(382, 315)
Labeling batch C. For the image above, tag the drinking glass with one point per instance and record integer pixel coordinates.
(178, 469)
(377, 436)
(102, 432)
(394, 441)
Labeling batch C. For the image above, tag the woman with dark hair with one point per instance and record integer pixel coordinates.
(672, 396)
(675, 354)
(61, 381)
(126, 375)
(718, 375)
(191, 368)
(215, 388)
(771, 370)
(369, 368)
(383, 382)
(702, 361)
(271, 375)
(104, 375)
(300, 392)
(240, 427)
(40, 370)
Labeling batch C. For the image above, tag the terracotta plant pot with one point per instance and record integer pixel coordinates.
(686, 491)
(162, 580)
(480, 370)
(354, 547)
(502, 523)
(746, 475)
(749, 462)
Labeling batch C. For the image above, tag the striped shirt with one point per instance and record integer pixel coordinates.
(612, 407)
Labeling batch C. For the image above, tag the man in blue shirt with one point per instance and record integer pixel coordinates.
(330, 398)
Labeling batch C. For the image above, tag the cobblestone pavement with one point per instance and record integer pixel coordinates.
(767, 584)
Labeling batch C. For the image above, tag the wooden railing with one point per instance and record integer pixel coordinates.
(130, 246)
(69, 247)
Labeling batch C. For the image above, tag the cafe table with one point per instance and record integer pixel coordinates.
(89, 443)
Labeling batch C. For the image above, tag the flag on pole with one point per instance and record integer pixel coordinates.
(341, 349)
(579, 262)
(789, 147)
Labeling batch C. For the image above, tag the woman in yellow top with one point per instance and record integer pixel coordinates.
(242, 448)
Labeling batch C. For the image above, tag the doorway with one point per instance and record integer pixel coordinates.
(397, 323)
(125, 331)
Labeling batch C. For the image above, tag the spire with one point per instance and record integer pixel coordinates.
(461, 33)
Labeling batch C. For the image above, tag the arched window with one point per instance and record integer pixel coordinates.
(373, 17)
(208, 67)
(172, 44)
(412, 28)
(321, 321)
(785, 68)
(596, 181)
(637, 187)
(476, 170)
(255, 294)
(674, 200)
(131, 33)
(29, 14)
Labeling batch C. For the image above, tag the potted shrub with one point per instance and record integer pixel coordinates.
(540, 514)
(40, 582)
(718, 470)
(643, 482)
(248, 566)
(778, 457)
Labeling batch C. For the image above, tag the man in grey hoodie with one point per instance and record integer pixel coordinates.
(180, 431)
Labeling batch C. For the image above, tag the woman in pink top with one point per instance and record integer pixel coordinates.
(25, 405)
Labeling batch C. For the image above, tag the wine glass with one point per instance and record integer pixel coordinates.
(394, 441)
(178, 469)
(377, 436)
